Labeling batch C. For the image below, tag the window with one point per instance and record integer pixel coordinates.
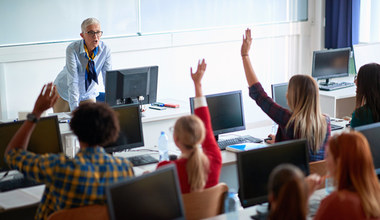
(369, 25)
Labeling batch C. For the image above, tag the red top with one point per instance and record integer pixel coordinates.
(210, 148)
(342, 204)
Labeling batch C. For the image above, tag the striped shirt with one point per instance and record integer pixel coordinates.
(70, 182)
(282, 116)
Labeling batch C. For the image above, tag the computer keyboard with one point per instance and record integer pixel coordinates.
(335, 127)
(142, 160)
(238, 140)
(16, 181)
(335, 86)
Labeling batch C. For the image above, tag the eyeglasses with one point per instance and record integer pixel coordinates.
(92, 33)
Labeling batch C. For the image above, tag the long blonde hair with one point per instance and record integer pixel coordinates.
(308, 121)
(355, 169)
(190, 131)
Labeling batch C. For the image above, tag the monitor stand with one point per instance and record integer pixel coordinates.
(262, 212)
(128, 101)
(326, 83)
(216, 138)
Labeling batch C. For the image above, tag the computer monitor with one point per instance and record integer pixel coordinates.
(372, 133)
(331, 63)
(226, 111)
(131, 133)
(156, 195)
(279, 94)
(255, 166)
(128, 86)
(46, 137)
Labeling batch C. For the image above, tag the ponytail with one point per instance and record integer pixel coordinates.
(197, 169)
(190, 131)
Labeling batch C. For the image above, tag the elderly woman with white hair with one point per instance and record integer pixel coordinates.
(85, 59)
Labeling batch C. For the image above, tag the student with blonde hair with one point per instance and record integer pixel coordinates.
(357, 194)
(304, 120)
(197, 168)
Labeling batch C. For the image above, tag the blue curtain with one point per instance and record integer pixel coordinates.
(342, 23)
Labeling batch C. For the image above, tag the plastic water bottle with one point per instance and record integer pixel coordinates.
(232, 202)
(163, 146)
(329, 184)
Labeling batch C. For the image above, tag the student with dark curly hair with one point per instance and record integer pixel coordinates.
(70, 182)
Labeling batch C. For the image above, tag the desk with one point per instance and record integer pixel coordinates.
(246, 213)
(153, 122)
(228, 172)
(339, 103)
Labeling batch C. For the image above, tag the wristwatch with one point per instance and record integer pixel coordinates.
(32, 117)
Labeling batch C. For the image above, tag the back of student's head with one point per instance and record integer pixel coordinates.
(95, 124)
(368, 89)
(287, 193)
(303, 100)
(190, 132)
(354, 169)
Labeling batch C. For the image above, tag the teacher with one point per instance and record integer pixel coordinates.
(85, 59)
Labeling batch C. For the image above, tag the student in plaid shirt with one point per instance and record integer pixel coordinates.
(304, 120)
(71, 182)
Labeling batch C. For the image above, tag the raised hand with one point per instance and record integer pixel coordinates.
(197, 77)
(46, 99)
(247, 41)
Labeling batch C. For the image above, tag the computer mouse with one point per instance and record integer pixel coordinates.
(268, 139)
(173, 157)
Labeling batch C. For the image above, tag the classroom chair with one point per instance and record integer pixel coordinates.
(206, 203)
(91, 212)
(319, 167)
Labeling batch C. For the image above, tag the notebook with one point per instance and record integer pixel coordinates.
(245, 147)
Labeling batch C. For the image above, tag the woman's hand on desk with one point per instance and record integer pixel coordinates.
(271, 139)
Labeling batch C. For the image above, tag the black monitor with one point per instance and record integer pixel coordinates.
(372, 133)
(279, 94)
(331, 63)
(131, 133)
(128, 86)
(255, 166)
(226, 111)
(156, 195)
(46, 137)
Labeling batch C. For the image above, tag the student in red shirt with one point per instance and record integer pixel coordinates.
(357, 196)
(197, 168)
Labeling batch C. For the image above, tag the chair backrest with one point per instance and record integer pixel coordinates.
(318, 167)
(206, 203)
(91, 212)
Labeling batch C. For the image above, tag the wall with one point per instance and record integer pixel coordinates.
(278, 52)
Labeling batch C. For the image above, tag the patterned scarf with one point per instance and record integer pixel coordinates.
(90, 68)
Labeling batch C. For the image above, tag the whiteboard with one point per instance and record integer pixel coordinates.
(366, 53)
(41, 21)
(46, 21)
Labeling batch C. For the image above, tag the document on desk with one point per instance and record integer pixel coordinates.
(244, 147)
(21, 197)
